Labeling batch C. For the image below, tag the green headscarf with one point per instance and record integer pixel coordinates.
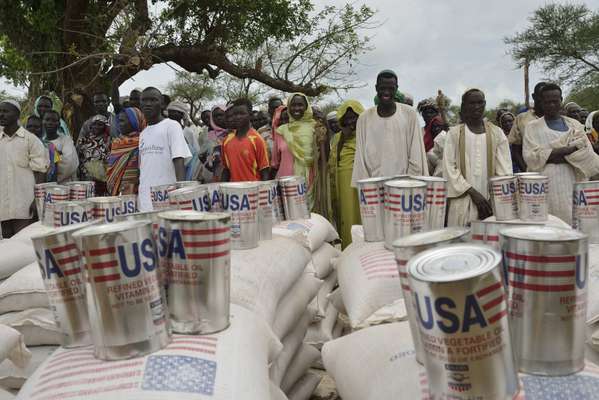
(299, 136)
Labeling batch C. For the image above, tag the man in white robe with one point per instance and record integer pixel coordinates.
(388, 137)
(475, 151)
(557, 147)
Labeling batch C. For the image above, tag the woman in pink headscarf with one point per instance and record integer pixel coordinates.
(213, 166)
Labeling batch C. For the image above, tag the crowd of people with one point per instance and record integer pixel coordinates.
(150, 140)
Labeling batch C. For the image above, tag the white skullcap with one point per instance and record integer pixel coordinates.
(13, 103)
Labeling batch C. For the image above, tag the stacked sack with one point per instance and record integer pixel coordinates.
(304, 319)
(24, 310)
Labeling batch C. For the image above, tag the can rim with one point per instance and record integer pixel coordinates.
(80, 203)
(405, 183)
(589, 183)
(65, 229)
(108, 199)
(373, 180)
(474, 260)
(86, 183)
(111, 228)
(535, 177)
(431, 237)
(429, 178)
(543, 234)
(187, 189)
(502, 178)
(238, 185)
(190, 215)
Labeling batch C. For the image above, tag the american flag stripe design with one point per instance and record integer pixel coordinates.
(493, 302)
(379, 264)
(77, 373)
(102, 264)
(589, 195)
(402, 266)
(374, 196)
(424, 389)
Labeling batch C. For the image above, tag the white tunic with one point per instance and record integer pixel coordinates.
(462, 210)
(389, 146)
(20, 155)
(536, 149)
(69, 160)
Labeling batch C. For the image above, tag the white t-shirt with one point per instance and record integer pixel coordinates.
(159, 144)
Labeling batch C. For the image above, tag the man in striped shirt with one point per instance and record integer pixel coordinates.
(244, 150)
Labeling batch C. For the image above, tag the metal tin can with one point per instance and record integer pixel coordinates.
(191, 198)
(487, 232)
(405, 249)
(128, 204)
(504, 197)
(405, 205)
(477, 232)
(62, 271)
(127, 311)
(294, 197)
(183, 184)
(436, 201)
(195, 253)
(547, 270)
(371, 193)
(39, 192)
(462, 314)
(585, 209)
(159, 196)
(106, 208)
(72, 212)
(52, 195)
(268, 208)
(81, 190)
(214, 192)
(532, 196)
(241, 200)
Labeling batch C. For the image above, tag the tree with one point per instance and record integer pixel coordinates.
(585, 95)
(74, 46)
(192, 89)
(563, 39)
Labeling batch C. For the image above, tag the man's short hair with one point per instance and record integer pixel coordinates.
(538, 87)
(387, 74)
(33, 116)
(243, 102)
(471, 91)
(274, 98)
(151, 88)
(549, 87)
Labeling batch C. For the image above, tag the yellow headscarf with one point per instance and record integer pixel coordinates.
(299, 136)
(355, 105)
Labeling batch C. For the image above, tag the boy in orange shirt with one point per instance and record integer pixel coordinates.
(244, 151)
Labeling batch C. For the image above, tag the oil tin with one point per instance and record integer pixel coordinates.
(269, 206)
(183, 184)
(62, 272)
(127, 310)
(405, 206)
(107, 208)
(585, 209)
(504, 197)
(487, 232)
(436, 201)
(81, 190)
(214, 192)
(546, 270)
(240, 199)
(371, 193)
(408, 247)
(532, 197)
(294, 197)
(160, 197)
(459, 297)
(72, 212)
(52, 195)
(195, 252)
(39, 191)
(189, 198)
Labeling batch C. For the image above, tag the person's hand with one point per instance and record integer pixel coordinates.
(482, 205)
(579, 142)
(33, 210)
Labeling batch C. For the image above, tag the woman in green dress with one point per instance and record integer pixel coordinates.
(346, 207)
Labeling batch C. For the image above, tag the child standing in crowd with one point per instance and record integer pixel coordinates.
(63, 156)
(23, 163)
(245, 152)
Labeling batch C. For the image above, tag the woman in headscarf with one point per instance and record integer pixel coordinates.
(46, 103)
(93, 151)
(281, 162)
(306, 140)
(429, 110)
(122, 176)
(62, 152)
(217, 133)
(438, 131)
(344, 198)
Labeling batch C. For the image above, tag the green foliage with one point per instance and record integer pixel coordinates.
(563, 39)
(586, 96)
(192, 89)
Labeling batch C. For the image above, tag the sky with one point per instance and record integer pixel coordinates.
(450, 45)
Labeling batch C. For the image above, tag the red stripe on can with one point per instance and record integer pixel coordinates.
(65, 248)
(542, 288)
(204, 231)
(102, 251)
(497, 316)
(495, 302)
(207, 255)
(102, 265)
(541, 259)
(488, 289)
(535, 272)
(206, 244)
(107, 278)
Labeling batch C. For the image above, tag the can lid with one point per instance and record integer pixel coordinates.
(429, 178)
(502, 178)
(114, 227)
(431, 237)
(109, 199)
(46, 184)
(188, 189)
(162, 187)
(373, 180)
(537, 177)
(87, 183)
(181, 184)
(518, 174)
(587, 183)
(181, 215)
(453, 263)
(268, 183)
(405, 183)
(65, 229)
(239, 185)
(542, 234)
(74, 203)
